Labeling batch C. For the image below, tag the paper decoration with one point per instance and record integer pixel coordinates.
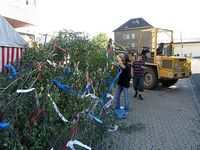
(90, 95)
(61, 86)
(67, 88)
(50, 63)
(110, 96)
(68, 71)
(35, 116)
(60, 65)
(113, 128)
(92, 117)
(4, 125)
(102, 100)
(57, 110)
(115, 79)
(25, 90)
(14, 72)
(71, 143)
(37, 100)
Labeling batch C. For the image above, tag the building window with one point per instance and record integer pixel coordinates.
(124, 36)
(133, 36)
(135, 22)
(133, 45)
(127, 36)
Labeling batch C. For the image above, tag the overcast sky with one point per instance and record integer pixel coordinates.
(95, 16)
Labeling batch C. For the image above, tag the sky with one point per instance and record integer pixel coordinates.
(95, 16)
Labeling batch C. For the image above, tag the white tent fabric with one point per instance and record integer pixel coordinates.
(8, 55)
(8, 36)
(12, 45)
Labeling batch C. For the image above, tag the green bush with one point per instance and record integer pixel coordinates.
(48, 130)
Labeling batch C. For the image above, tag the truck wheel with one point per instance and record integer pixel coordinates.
(150, 78)
(168, 82)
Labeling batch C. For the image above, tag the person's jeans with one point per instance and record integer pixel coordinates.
(117, 97)
(138, 83)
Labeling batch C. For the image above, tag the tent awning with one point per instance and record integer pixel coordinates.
(8, 36)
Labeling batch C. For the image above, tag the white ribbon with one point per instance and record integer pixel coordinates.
(113, 128)
(110, 96)
(60, 65)
(25, 90)
(90, 95)
(50, 63)
(110, 102)
(71, 143)
(57, 110)
(37, 100)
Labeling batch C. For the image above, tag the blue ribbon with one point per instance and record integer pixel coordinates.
(92, 117)
(14, 72)
(115, 79)
(68, 71)
(66, 88)
(111, 86)
(61, 86)
(4, 125)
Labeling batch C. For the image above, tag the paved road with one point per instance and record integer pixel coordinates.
(168, 119)
(195, 81)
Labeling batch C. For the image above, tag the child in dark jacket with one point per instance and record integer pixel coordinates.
(138, 76)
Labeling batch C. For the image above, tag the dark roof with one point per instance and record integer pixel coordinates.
(134, 24)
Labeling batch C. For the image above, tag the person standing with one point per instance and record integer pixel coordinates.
(123, 83)
(138, 76)
(110, 46)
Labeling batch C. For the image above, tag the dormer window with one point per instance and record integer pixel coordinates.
(135, 22)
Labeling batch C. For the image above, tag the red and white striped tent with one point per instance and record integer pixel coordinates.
(12, 45)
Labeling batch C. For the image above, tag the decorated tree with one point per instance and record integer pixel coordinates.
(59, 95)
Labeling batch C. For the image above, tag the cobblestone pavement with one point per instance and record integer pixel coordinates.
(167, 119)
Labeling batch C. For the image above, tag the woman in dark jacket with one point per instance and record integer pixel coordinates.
(123, 82)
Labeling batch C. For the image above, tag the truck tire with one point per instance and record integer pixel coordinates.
(150, 78)
(168, 82)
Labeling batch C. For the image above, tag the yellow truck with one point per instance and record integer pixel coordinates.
(156, 47)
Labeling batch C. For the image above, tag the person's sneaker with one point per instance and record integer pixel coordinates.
(140, 97)
(126, 112)
(136, 93)
(125, 109)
